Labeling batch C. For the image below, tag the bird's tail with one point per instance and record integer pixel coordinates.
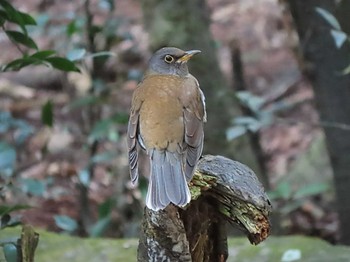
(167, 183)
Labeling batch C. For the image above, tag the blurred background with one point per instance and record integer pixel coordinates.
(266, 76)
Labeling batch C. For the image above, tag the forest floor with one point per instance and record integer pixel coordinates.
(268, 43)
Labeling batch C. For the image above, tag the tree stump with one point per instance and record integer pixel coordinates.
(222, 191)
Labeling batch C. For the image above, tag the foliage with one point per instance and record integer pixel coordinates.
(10, 16)
(100, 128)
(286, 198)
(290, 199)
(261, 117)
(88, 44)
(70, 225)
(339, 36)
(14, 24)
(264, 117)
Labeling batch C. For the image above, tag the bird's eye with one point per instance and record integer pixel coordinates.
(169, 59)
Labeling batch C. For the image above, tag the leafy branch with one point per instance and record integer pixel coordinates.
(11, 16)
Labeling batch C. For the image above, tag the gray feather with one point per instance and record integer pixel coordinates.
(167, 181)
(132, 146)
(194, 136)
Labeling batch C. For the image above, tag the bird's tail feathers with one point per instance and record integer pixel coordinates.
(133, 157)
(167, 182)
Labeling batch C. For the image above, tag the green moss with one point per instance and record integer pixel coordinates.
(199, 183)
(273, 249)
(60, 247)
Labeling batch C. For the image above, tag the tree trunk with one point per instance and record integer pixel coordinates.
(239, 85)
(324, 62)
(185, 24)
(222, 190)
(342, 14)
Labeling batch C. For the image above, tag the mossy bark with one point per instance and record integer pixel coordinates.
(222, 191)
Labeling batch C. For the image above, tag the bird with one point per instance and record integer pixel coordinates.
(166, 122)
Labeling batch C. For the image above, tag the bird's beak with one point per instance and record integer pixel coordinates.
(187, 56)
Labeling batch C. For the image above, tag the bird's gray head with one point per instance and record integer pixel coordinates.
(170, 61)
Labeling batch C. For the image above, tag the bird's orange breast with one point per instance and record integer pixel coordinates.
(161, 112)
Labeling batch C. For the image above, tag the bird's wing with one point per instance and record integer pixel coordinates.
(133, 137)
(194, 117)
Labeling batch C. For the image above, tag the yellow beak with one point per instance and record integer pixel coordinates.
(187, 56)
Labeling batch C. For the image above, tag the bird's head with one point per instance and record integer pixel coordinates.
(170, 61)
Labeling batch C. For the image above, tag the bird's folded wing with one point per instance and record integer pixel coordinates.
(132, 137)
(194, 117)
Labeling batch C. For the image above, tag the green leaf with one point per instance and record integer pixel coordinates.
(339, 37)
(66, 223)
(5, 219)
(33, 186)
(7, 157)
(105, 209)
(62, 64)
(105, 157)
(311, 190)
(84, 177)
(244, 120)
(17, 64)
(21, 39)
(84, 101)
(113, 136)
(26, 18)
(254, 103)
(23, 133)
(234, 132)
(106, 4)
(10, 252)
(329, 18)
(291, 206)
(75, 26)
(47, 114)
(282, 191)
(100, 130)
(10, 10)
(22, 128)
(102, 53)
(42, 19)
(120, 118)
(2, 17)
(5, 121)
(8, 209)
(15, 16)
(250, 123)
(71, 28)
(76, 54)
(42, 54)
(346, 70)
(8, 221)
(99, 227)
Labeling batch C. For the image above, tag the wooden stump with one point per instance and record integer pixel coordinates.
(222, 190)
